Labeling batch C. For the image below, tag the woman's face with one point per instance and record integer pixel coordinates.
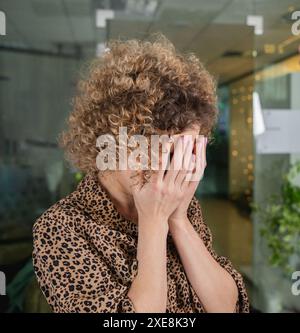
(127, 178)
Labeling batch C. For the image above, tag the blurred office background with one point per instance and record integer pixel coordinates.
(251, 46)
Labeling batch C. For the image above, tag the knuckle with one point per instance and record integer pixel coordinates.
(166, 191)
(157, 187)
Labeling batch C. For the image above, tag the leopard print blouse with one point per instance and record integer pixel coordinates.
(84, 256)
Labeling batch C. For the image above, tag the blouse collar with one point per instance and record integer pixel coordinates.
(96, 202)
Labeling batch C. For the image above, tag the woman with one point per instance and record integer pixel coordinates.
(122, 243)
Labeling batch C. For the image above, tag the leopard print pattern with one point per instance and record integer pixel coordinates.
(84, 256)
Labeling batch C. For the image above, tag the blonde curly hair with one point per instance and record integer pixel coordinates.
(144, 85)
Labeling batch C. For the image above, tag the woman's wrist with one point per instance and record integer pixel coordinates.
(153, 224)
(180, 222)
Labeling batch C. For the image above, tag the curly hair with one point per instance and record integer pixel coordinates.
(144, 85)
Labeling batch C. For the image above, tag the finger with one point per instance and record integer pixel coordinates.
(189, 174)
(203, 157)
(164, 161)
(187, 162)
(200, 158)
(176, 162)
(199, 170)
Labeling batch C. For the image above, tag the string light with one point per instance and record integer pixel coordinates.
(246, 171)
(250, 178)
(241, 101)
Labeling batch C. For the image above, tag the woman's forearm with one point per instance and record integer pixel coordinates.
(148, 291)
(213, 285)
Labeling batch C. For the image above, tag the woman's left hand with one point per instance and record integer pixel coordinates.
(190, 184)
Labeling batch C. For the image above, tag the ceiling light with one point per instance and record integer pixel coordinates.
(256, 21)
(102, 15)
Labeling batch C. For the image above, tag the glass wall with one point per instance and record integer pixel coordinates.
(35, 94)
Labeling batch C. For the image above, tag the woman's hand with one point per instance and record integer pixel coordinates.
(165, 192)
(189, 186)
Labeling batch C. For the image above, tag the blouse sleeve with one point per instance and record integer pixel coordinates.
(72, 275)
(196, 218)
